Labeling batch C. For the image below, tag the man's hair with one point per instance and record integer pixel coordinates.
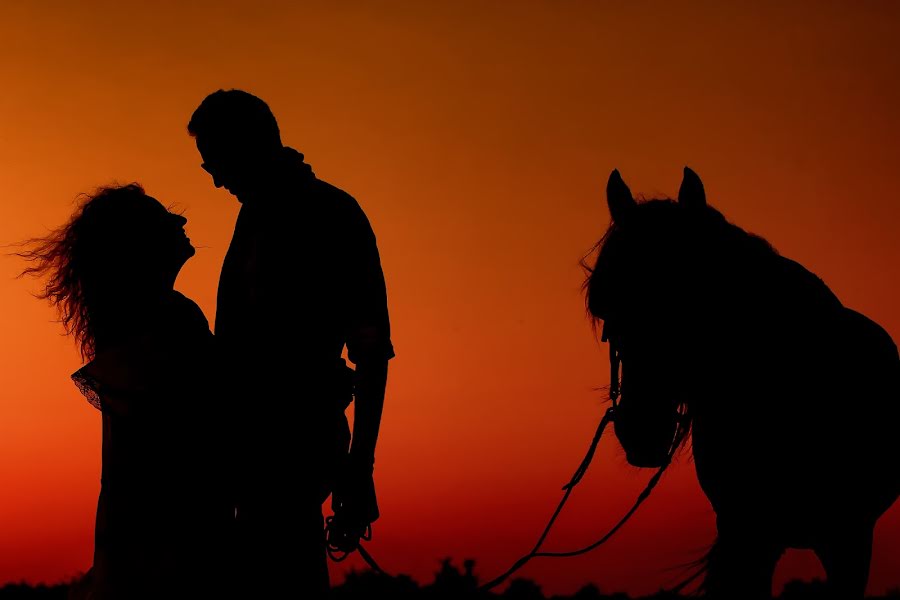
(235, 114)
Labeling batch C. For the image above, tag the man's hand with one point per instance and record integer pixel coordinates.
(354, 494)
(354, 505)
(353, 498)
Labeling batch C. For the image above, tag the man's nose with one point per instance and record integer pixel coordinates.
(181, 220)
(217, 182)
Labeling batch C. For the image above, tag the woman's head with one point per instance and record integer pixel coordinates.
(120, 249)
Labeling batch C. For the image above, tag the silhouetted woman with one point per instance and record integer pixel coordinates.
(164, 512)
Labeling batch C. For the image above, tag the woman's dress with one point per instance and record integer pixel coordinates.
(165, 513)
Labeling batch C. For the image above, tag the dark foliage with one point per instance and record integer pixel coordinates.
(451, 583)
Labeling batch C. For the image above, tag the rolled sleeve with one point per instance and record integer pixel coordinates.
(369, 329)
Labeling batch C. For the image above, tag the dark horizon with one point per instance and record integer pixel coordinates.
(453, 582)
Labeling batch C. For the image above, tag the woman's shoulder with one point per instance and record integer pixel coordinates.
(169, 343)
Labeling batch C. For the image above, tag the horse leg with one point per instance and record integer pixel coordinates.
(740, 567)
(845, 558)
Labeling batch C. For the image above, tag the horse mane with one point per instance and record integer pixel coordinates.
(708, 225)
(711, 224)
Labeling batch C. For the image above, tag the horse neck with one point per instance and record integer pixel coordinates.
(764, 325)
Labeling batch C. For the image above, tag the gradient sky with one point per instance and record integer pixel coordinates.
(478, 137)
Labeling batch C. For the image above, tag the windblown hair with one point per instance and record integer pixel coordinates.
(83, 262)
(237, 115)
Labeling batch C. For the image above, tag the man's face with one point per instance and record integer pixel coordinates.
(233, 166)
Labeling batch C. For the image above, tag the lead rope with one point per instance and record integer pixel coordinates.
(576, 478)
(680, 433)
(614, 361)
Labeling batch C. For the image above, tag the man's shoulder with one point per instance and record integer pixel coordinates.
(333, 199)
(332, 193)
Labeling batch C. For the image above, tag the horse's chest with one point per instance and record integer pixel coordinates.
(760, 477)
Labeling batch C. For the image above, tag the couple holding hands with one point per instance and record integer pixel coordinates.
(219, 451)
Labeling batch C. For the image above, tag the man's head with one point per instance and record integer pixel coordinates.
(237, 136)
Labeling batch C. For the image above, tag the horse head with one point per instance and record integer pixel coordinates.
(640, 287)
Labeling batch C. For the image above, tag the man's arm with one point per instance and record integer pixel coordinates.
(369, 337)
(370, 383)
(369, 348)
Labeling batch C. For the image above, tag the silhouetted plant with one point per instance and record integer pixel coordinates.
(523, 589)
(588, 592)
(359, 584)
(449, 583)
(23, 591)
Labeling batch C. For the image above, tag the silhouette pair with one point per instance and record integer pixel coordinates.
(219, 451)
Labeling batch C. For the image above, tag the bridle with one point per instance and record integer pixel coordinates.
(615, 363)
(615, 382)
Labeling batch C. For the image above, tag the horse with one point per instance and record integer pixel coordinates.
(789, 401)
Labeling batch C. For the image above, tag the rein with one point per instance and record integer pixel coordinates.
(338, 554)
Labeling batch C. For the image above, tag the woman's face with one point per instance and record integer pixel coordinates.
(160, 237)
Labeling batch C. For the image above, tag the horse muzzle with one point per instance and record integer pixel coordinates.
(646, 439)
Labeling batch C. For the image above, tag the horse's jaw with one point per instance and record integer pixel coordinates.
(646, 461)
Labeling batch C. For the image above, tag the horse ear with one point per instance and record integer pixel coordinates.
(691, 193)
(618, 196)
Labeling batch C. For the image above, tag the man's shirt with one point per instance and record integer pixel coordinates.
(301, 279)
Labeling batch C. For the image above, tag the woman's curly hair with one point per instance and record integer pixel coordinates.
(83, 261)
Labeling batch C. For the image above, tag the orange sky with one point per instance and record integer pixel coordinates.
(478, 137)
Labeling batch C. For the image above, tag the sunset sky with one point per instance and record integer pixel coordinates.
(478, 136)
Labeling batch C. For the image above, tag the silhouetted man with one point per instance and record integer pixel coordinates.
(301, 279)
